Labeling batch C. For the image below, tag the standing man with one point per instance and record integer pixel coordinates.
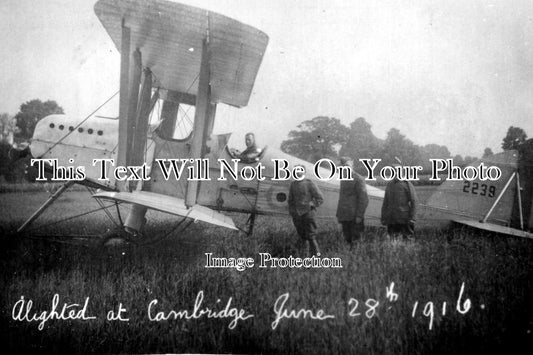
(398, 212)
(353, 200)
(304, 198)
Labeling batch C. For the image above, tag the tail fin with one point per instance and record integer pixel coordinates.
(481, 200)
(522, 211)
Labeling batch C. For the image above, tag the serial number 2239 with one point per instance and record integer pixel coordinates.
(479, 189)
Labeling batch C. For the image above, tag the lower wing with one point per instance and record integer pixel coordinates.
(496, 228)
(169, 204)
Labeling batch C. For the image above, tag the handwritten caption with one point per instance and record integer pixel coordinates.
(23, 310)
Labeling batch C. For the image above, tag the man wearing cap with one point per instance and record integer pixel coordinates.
(304, 198)
(353, 201)
(398, 211)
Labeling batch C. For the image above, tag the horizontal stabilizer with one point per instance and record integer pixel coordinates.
(169, 204)
(496, 228)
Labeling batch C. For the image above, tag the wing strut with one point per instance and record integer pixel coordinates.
(140, 127)
(169, 114)
(203, 116)
(484, 220)
(122, 154)
(130, 79)
(519, 200)
(136, 72)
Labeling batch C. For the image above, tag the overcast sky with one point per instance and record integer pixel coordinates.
(456, 73)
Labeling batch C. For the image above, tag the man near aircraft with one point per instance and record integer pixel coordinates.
(353, 200)
(398, 211)
(251, 153)
(304, 198)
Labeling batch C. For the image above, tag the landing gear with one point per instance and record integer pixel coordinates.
(251, 223)
(44, 206)
(128, 231)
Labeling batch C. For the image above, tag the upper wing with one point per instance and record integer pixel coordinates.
(171, 205)
(170, 36)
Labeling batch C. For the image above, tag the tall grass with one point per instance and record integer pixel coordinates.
(496, 272)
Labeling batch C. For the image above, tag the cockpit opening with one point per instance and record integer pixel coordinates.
(251, 154)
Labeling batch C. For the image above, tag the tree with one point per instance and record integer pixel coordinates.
(515, 136)
(487, 152)
(8, 128)
(315, 139)
(396, 145)
(432, 151)
(458, 160)
(12, 165)
(469, 160)
(31, 112)
(361, 142)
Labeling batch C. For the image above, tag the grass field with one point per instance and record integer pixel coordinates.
(496, 299)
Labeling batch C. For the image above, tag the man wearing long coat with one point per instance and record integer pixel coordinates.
(353, 201)
(398, 212)
(304, 198)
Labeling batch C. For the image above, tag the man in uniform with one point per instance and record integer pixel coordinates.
(251, 153)
(353, 200)
(304, 198)
(398, 212)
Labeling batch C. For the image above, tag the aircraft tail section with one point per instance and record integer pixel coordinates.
(481, 199)
(522, 215)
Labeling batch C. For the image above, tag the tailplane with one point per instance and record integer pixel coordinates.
(489, 205)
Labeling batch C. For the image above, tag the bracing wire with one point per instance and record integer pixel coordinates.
(69, 218)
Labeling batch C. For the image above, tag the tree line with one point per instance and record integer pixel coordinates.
(314, 139)
(15, 132)
(326, 137)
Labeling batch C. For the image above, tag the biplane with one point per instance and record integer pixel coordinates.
(179, 55)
